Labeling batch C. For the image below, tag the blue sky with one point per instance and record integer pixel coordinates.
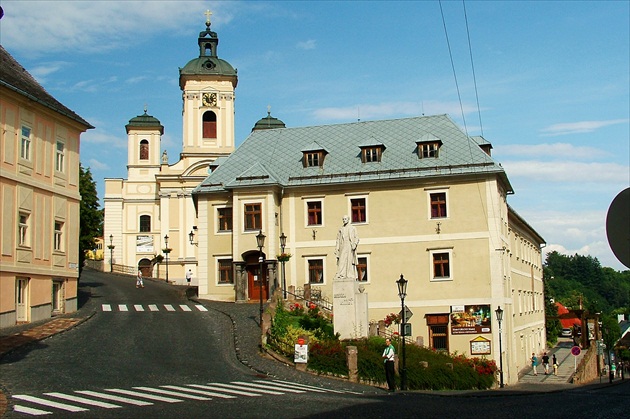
(552, 80)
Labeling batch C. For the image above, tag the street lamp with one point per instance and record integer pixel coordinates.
(111, 252)
(260, 240)
(499, 313)
(283, 243)
(402, 293)
(166, 251)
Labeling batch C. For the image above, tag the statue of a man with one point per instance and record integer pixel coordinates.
(346, 251)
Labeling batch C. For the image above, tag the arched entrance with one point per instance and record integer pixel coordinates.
(146, 268)
(254, 276)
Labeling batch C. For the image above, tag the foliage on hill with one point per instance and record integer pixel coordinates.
(581, 282)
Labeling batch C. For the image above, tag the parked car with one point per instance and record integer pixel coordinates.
(567, 332)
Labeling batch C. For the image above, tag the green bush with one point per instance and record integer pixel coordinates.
(328, 356)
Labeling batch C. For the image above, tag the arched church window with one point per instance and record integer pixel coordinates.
(209, 125)
(144, 150)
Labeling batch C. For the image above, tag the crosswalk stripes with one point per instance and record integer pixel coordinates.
(125, 308)
(83, 400)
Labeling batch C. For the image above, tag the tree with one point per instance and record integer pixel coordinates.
(91, 224)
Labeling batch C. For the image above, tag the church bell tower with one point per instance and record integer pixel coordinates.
(208, 85)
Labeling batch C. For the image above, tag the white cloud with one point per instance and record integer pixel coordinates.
(554, 150)
(89, 26)
(310, 44)
(97, 165)
(568, 171)
(100, 136)
(579, 127)
(391, 109)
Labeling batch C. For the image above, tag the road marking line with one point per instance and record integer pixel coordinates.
(30, 410)
(122, 307)
(49, 403)
(205, 393)
(173, 393)
(83, 400)
(185, 307)
(282, 386)
(153, 307)
(114, 398)
(201, 308)
(305, 386)
(107, 307)
(226, 390)
(138, 307)
(169, 307)
(289, 390)
(250, 389)
(146, 396)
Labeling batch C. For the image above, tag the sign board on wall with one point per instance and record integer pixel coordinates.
(469, 319)
(480, 346)
(144, 244)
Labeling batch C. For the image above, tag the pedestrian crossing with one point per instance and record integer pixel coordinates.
(116, 398)
(124, 308)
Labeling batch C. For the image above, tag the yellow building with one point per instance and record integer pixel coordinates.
(152, 211)
(97, 253)
(39, 191)
(427, 201)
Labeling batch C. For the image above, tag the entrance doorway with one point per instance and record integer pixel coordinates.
(146, 268)
(254, 284)
(21, 300)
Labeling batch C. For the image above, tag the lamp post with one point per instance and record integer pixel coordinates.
(166, 252)
(260, 240)
(402, 293)
(283, 243)
(111, 252)
(499, 313)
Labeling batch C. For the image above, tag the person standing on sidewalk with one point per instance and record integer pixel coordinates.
(554, 362)
(188, 277)
(545, 361)
(139, 280)
(388, 356)
(534, 360)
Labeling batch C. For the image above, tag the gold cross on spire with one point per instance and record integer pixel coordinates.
(208, 13)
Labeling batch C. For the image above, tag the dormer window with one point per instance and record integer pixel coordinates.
(372, 153)
(429, 146)
(429, 149)
(313, 158)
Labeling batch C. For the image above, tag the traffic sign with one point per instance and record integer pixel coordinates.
(575, 351)
(408, 314)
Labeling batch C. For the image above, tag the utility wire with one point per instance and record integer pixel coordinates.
(472, 65)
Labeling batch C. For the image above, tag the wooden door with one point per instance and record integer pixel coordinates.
(254, 284)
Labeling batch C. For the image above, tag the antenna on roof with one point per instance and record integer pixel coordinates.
(358, 114)
(422, 103)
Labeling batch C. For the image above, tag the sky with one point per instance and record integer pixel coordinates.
(546, 82)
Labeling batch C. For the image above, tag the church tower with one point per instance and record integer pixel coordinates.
(208, 85)
(144, 136)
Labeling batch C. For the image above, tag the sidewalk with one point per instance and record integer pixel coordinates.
(566, 366)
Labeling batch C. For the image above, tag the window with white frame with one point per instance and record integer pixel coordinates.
(358, 209)
(58, 236)
(145, 223)
(362, 269)
(315, 271)
(437, 204)
(23, 233)
(225, 274)
(60, 157)
(441, 264)
(224, 219)
(25, 143)
(314, 213)
(252, 214)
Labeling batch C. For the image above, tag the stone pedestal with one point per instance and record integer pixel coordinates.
(350, 309)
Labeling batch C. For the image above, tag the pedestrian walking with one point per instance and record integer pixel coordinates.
(545, 361)
(139, 280)
(188, 277)
(534, 360)
(554, 362)
(388, 356)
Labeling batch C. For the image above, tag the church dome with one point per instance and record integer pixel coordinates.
(144, 121)
(268, 122)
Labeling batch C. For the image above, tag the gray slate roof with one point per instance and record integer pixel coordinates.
(14, 77)
(274, 156)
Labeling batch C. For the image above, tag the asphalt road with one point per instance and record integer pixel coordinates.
(152, 353)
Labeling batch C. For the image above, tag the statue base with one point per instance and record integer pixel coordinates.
(350, 309)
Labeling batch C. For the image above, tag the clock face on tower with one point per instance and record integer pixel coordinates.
(209, 99)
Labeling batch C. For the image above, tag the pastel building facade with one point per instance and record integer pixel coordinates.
(39, 195)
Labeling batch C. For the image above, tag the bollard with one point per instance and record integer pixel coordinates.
(352, 359)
